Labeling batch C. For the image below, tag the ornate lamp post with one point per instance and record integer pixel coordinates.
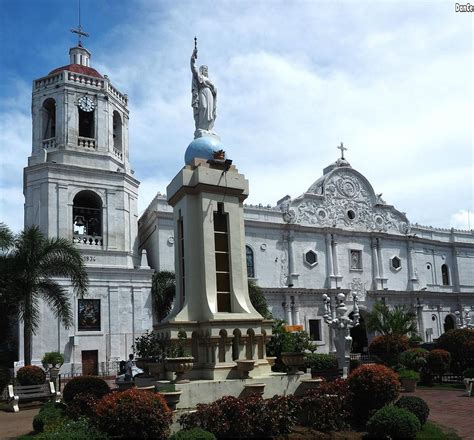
(341, 325)
(467, 318)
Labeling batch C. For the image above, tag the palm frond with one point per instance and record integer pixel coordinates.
(399, 320)
(6, 237)
(58, 300)
(163, 292)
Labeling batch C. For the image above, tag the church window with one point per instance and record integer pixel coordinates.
(396, 263)
(49, 118)
(87, 217)
(86, 123)
(351, 214)
(250, 262)
(445, 274)
(88, 311)
(117, 131)
(221, 243)
(315, 329)
(311, 258)
(355, 260)
(448, 323)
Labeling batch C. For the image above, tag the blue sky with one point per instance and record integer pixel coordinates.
(393, 80)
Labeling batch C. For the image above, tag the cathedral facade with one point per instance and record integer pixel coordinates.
(79, 185)
(340, 236)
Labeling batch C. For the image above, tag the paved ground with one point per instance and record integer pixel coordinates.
(450, 408)
(12, 425)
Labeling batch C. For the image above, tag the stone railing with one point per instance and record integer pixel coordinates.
(49, 144)
(86, 80)
(117, 153)
(85, 142)
(87, 240)
(48, 80)
(114, 92)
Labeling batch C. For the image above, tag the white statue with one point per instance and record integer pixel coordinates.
(204, 98)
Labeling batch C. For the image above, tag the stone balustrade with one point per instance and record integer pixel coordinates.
(118, 153)
(85, 79)
(49, 144)
(87, 240)
(49, 80)
(85, 142)
(113, 91)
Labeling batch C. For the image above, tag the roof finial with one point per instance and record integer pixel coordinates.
(79, 30)
(342, 148)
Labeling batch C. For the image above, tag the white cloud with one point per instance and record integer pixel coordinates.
(463, 219)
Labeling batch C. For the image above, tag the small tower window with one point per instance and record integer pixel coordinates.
(311, 258)
(49, 118)
(117, 131)
(221, 242)
(445, 274)
(396, 263)
(86, 124)
(250, 262)
(87, 217)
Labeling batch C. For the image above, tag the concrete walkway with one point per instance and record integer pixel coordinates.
(12, 425)
(450, 408)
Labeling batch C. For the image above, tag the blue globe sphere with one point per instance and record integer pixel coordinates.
(203, 148)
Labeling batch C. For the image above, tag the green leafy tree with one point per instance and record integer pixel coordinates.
(29, 272)
(164, 291)
(397, 321)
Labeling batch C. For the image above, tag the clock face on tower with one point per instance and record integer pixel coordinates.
(86, 103)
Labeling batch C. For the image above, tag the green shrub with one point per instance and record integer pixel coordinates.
(326, 408)
(469, 373)
(53, 358)
(31, 375)
(388, 348)
(82, 405)
(250, 417)
(415, 405)
(409, 374)
(68, 429)
(414, 359)
(134, 414)
(392, 422)
(85, 384)
(438, 361)
(50, 412)
(193, 434)
(371, 387)
(460, 343)
(320, 361)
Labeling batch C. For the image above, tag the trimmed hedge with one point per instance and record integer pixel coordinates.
(414, 359)
(460, 343)
(49, 412)
(95, 386)
(134, 414)
(438, 361)
(68, 429)
(31, 375)
(371, 387)
(388, 348)
(392, 422)
(321, 361)
(415, 405)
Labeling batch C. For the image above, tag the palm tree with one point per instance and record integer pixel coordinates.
(29, 273)
(6, 237)
(397, 321)
(164, 290)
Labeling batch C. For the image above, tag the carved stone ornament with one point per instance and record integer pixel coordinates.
(345, 199)
(358, 287)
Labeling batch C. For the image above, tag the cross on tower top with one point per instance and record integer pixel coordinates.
(80, 33)
(342, 148)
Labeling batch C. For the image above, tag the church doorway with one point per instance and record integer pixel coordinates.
(448, 323)
(360, 342)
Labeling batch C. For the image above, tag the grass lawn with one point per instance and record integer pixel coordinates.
(433, 431)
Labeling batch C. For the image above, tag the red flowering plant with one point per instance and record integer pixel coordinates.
(249, 417)
(371, 387)
(388, 348)
(134, 414)
(326, 408)
(31, 375)
(460, 343)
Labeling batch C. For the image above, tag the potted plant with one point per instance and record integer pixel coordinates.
(409, 379)
(52, 362)
(293, 349)
(176, 359)
(469, 380)
(170, 394)
(150, 353)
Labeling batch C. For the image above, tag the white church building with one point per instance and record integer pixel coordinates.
(339, 236)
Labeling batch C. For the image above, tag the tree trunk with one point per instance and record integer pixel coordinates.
(27, 334)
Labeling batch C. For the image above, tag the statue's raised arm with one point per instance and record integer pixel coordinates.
(204, 96)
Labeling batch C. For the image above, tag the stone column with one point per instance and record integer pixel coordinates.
(411, 272)
(375, 264)
(228, 349)
(455, 270)
(329, 259)
(287, 306)
(383, 280)
(296, 314)
(335, 263)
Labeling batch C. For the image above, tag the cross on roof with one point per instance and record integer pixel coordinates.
(342, 148)
(79, 30)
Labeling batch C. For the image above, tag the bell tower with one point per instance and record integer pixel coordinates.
(78, 183)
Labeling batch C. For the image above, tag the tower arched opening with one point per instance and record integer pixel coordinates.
(87, 217)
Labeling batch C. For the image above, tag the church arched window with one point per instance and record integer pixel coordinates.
(86, 123)
(250, 262)
(445, 274)
(87, 218)
(49, 118)
(117, 131)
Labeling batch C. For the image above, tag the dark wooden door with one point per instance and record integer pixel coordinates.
(90, 362)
